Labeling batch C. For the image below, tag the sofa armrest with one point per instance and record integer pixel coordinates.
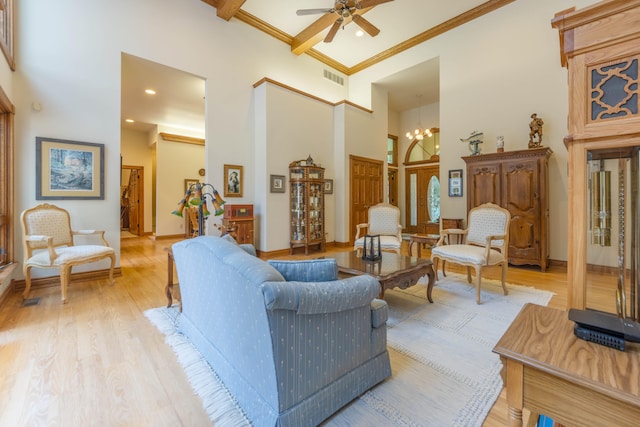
(313, 270)
(321, 297)
(379, 313)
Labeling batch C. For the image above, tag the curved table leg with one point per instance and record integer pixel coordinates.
(432, 280)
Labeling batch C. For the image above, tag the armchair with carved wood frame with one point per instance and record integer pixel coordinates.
(48, 242)
(384, 220)
(485, 243)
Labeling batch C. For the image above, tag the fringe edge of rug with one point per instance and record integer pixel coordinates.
(216, 399)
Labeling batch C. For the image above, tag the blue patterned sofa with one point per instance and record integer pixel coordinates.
(291, 342)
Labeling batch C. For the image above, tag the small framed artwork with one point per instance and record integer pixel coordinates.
(234, 178)
(328, 186)
(188, 183)
(455, 183)
(69, 169)
(277, 183)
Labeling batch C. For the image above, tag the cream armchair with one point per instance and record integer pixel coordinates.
(485, 243)
(384, 219)
(48, 243)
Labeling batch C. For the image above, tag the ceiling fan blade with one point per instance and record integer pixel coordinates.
(332, 32)
(363, 4)
(371, 29)
(301, 12)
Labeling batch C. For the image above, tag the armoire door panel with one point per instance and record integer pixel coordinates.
(522, 238)
(484, 186)
(521, 188)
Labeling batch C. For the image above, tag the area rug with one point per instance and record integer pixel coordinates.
(444, 370)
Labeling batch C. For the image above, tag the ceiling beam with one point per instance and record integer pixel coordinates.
(226, 9)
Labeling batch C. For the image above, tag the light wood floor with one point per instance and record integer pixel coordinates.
(97, 361)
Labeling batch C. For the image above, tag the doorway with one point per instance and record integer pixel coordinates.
(131, 197)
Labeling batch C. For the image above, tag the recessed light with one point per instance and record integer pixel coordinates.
(150, 91)
(359, 33)
(129, 120)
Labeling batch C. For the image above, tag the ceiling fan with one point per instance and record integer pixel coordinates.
(344, 12)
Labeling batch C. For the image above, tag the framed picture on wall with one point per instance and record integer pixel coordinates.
(277, 183)
(328, 186)
(455, 183)
(189, 182)
(233, 181)
(69, 169)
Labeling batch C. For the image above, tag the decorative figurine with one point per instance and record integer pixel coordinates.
(500, 144)
(535, 131)
(474, 140)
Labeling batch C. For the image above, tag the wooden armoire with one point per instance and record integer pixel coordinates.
(517, 181)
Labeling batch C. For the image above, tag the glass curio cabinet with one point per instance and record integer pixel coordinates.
(603, 197)
(307, 205)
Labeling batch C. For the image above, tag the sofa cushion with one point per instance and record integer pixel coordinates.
(313, 270)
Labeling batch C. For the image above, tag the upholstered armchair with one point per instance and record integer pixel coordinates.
(48, 242)
(485, 243)
(384, 219)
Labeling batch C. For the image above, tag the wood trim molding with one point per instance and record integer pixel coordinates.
(181, 138)
(47, 282)
(308, 95)
(439, 29)
(463, 18)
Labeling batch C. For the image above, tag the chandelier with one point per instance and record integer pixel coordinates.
(419, 132)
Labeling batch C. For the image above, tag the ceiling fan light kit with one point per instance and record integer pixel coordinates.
(346, 11)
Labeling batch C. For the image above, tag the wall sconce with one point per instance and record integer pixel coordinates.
(371, 250)
(196, 195)
(601, 208)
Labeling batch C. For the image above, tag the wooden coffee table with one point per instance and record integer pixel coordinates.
(393, 271)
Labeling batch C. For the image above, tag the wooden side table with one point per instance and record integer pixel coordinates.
(422, 239)
(550, 371)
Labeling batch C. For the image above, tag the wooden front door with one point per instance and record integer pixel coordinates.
(366, 189)
(417, 213)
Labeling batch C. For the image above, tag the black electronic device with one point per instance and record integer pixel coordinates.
(604, 328)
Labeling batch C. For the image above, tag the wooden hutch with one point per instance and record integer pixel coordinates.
(306, 180)
(600, 46)
(517, 181)
(239, 218)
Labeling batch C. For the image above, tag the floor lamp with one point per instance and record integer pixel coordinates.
(196, 195)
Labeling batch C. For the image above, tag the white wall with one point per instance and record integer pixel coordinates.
(494, 72)
(175, 163)
(292, 127)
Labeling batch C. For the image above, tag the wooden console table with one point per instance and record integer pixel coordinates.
(168, 290)
(548, 370)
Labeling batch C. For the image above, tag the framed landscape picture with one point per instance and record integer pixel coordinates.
(69, 169)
